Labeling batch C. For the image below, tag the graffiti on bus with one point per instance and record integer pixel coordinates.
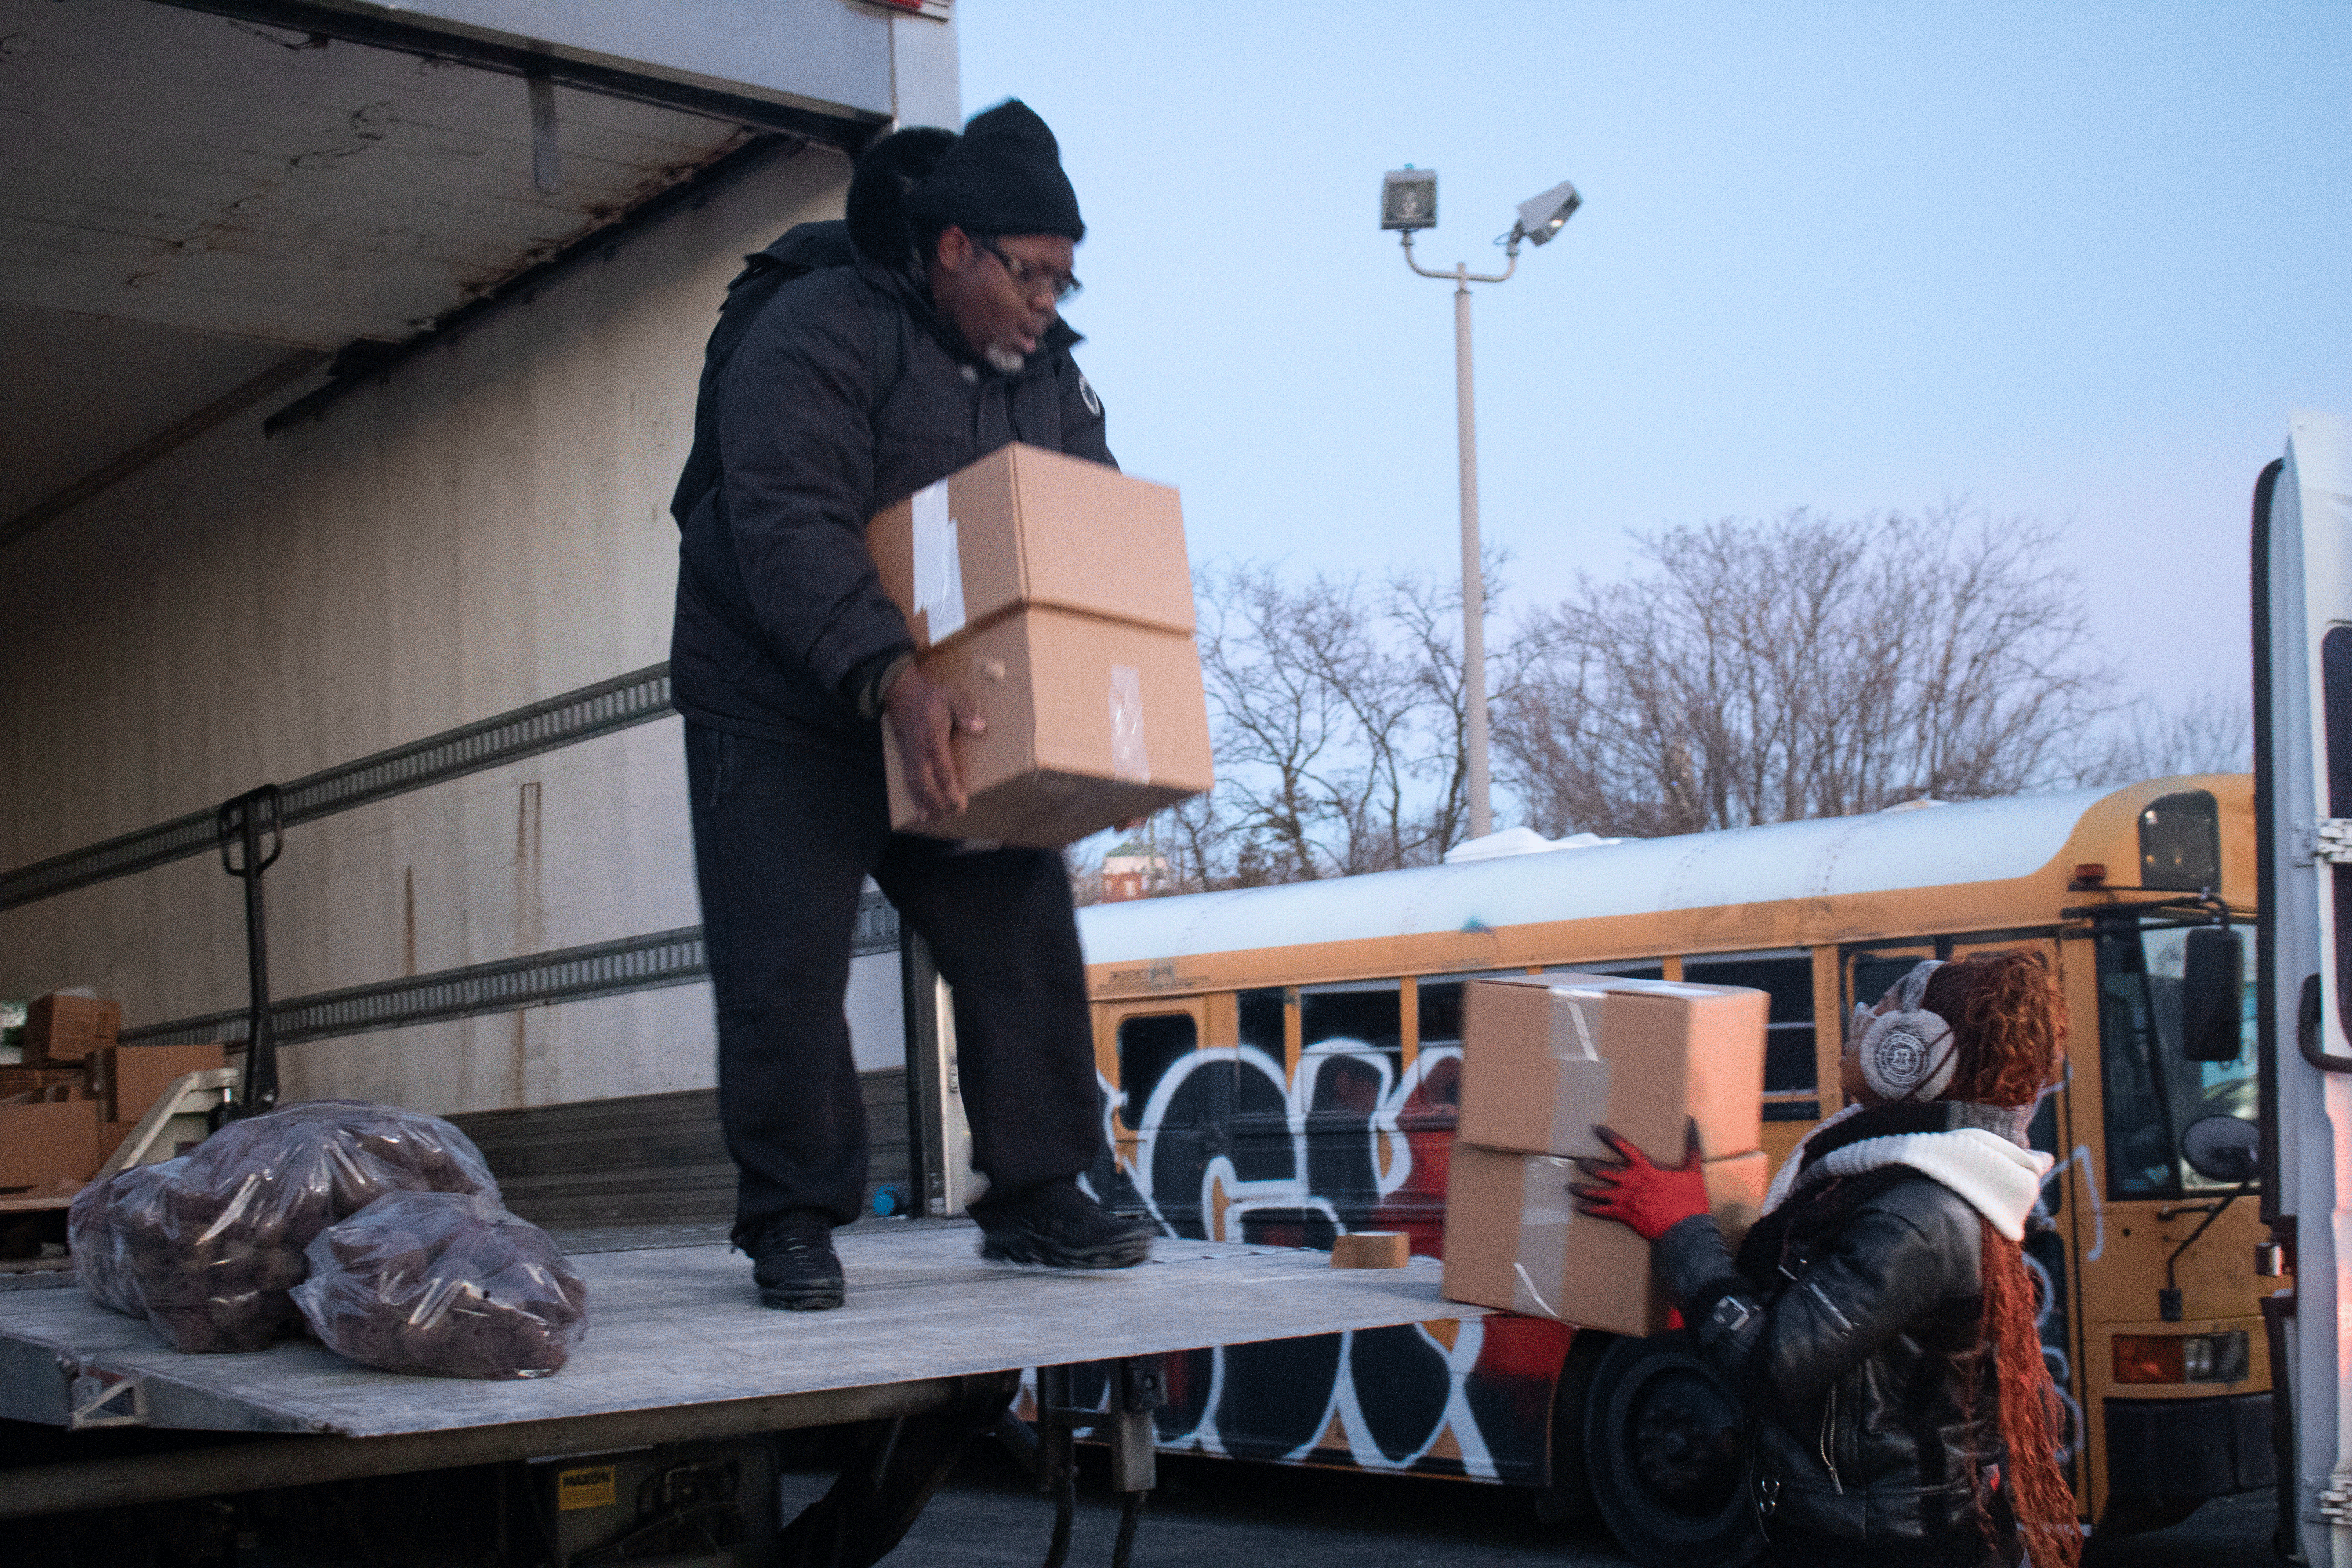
(1225, 1146)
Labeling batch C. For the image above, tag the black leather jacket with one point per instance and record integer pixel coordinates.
(1855, 1368)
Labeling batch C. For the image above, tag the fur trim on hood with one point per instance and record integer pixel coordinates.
(878, 225)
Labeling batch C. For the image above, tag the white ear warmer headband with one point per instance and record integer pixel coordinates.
(1909, 1054)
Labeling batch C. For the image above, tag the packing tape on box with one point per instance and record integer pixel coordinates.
(1544, 1220)
(1575, 1040)
(938, 562)
(1580, 1100)
(1130, 763)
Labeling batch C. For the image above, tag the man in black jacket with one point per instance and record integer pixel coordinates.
(854, 386)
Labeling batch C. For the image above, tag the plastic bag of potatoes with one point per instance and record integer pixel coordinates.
(447, 1284)
(208, 1246)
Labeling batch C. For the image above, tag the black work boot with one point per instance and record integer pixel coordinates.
(1058, 1227)
(793, 1265)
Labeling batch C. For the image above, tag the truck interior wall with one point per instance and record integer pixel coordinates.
(485, 528)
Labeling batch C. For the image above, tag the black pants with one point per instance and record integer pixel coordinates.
(783, 837)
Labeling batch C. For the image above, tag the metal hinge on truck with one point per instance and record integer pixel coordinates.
(2329, 839)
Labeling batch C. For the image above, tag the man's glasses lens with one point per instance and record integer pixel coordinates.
(1028, 277)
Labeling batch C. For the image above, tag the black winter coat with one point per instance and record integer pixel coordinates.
(1854, 1364)
(847, 395)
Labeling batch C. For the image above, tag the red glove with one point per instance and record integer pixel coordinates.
(1652, 1199)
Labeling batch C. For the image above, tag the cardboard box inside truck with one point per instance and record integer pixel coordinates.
(65, 1029)
(1545, 1058)
(1026, 526)
(1514, 1239)
(1090, 723)
(128, 1078)
(44, 1143)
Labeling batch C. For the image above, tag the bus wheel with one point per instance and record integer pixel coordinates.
(1661, 1443)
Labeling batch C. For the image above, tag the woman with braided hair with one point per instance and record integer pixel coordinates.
(1879, 1322)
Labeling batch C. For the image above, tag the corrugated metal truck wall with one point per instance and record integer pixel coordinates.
(483, 529)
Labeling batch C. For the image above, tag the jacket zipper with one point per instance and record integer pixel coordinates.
(1829, 1439)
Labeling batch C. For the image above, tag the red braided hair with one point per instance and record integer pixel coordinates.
(2009, 1023)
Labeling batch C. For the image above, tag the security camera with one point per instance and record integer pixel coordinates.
(1409, 199)
(1541, 217)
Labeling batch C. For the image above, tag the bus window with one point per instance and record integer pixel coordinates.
(1261, 1019)
(1440, 1012)
(2180, 843)
(1874, 975)
(1361, 1025)
(1791, 1080)
(1147, 1047)
(2150, 1093)
(1262, 1150)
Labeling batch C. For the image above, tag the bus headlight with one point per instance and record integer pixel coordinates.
(2182, 1358)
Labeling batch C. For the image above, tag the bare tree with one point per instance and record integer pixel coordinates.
(1764, 671)
(1338, 714)
(2211, 732)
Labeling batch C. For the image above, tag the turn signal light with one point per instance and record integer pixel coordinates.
(2182, 1358)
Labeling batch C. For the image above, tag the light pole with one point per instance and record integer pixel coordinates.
(1408, 201)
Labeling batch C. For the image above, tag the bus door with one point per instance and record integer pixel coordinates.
(1175, 1108)
(1869, 971)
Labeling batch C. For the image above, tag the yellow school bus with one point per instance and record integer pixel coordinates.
(1282, 1064)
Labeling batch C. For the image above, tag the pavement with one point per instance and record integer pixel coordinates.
(1214, 1512)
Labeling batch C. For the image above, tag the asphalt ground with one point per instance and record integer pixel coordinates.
(1211, 1513)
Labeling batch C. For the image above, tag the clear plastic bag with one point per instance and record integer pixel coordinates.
(101, 1260)
(445, 1284)
(207, 1246)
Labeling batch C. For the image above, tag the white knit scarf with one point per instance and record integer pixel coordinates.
(2000, 1178)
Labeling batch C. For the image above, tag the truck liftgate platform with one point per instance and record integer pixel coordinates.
(678, 1349)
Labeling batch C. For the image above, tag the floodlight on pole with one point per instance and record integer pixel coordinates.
(1409, 202)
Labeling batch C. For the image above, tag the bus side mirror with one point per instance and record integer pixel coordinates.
(2212, 996)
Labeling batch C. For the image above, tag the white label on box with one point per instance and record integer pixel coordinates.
(1130, 763)
(938, 563)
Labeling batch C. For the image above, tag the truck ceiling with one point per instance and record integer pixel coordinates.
(224, 204)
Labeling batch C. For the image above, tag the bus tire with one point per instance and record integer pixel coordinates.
(1567, 1496)
(1663, 1447)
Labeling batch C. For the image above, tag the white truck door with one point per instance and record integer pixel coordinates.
(2302, 564)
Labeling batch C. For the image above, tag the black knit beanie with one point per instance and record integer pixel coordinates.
(1003, 175)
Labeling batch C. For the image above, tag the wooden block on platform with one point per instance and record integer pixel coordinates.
(1371, 1249)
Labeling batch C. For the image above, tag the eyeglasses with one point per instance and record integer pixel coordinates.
(1028, 275)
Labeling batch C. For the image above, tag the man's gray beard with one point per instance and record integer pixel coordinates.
(1003, 360)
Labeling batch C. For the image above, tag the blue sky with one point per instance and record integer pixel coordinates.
(2076, 260)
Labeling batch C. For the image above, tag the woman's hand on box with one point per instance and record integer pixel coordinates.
(924, 716)
(1650, 1198)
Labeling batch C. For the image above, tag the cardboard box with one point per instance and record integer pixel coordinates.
(1545, 1058)
(110, 1135)
(1026, 526)
(1514, 1239)
(1090, 723)
(128, 1078)
(65, 1029)
(16, 1080)
(44, 1143)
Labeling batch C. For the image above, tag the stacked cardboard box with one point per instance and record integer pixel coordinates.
(127, 1079)
(37, 1082)
(40, 1144)
(1055, 595)
(1544, 1059)
(59, 1123)
(59, 1030)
